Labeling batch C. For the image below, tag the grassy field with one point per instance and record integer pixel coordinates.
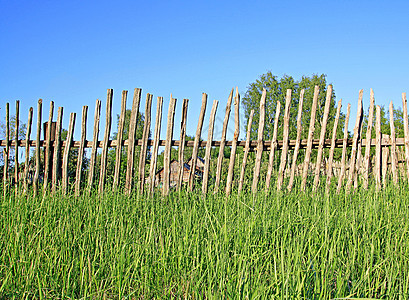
(298, 245)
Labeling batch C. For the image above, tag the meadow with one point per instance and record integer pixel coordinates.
(272, 245)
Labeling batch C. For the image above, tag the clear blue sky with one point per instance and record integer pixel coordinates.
(72, 51)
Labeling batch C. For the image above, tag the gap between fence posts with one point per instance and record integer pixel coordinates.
(27, 156)
(119, 139)
(37, 171)
(229, 180)
(182, 143)
(68, 142)
(393, 145)
(95, 133)
(144, 147)
(81, 150)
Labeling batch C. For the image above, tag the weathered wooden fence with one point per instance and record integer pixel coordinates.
(56, 151)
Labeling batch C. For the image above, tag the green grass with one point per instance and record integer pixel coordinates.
(297, 245)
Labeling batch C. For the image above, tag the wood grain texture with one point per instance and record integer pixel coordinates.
(168, 147)
(47, 159)
(144, 147)
(37, 151)
(154, 159)
(378, 149)
(119, 140)
(182, 144)
(27, 147)
(57, 151)
(406, 132)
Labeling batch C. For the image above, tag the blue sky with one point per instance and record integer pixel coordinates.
(72, 51)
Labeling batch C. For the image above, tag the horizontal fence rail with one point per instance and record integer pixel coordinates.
(51, 169)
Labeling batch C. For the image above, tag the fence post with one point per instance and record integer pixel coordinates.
(168, 145)
(223, 142)
(196, 142)
(344, 150)
(133, 124)
(81, 150)
(156, 139)
(27, 158)
(406, 129)
(37, 172)
(260, 144)
(209, 147)
(246, 151)
(57, 150)
(322, 137)
(16, 147)
(284, 150)
(182, 142)
(393, 145)
(331, 151)
(47, 156)
(145, 136)
(273, 147)
(310, 137)
(234, 142)
(6, 151)
(104, 152)
(378, 154)
(355, 142)
(119, 140)
(297, 141)
(67, 148)
(368, 140)
(93, 157)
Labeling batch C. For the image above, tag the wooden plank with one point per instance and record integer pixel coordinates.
(259, 154)
(356, 137)
(223, 142)
(47, 158)
(196, 142)
(6, 151)
(182, 142)
(273, 147)
(145, 136)
(322, 137)
(297, 143)
(344, 150)
(119, 140)
(16, 165)
(310, 137)
(368, 140)
(57, 150)
(104, 153)
(27, 156)
(154, 159)
(37, 171)
(133, 124)
(406, 131)
(393, 146)
(331, 151)
(232, 161)
(246, 151)
(378, 150)
(70, 133)
(80, 157)
(93, 158)
(286, 131)
(209, 147)
(168, 147)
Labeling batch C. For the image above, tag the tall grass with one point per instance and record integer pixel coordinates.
(275, 245)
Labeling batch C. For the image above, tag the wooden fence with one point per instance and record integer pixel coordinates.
(56, 151)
